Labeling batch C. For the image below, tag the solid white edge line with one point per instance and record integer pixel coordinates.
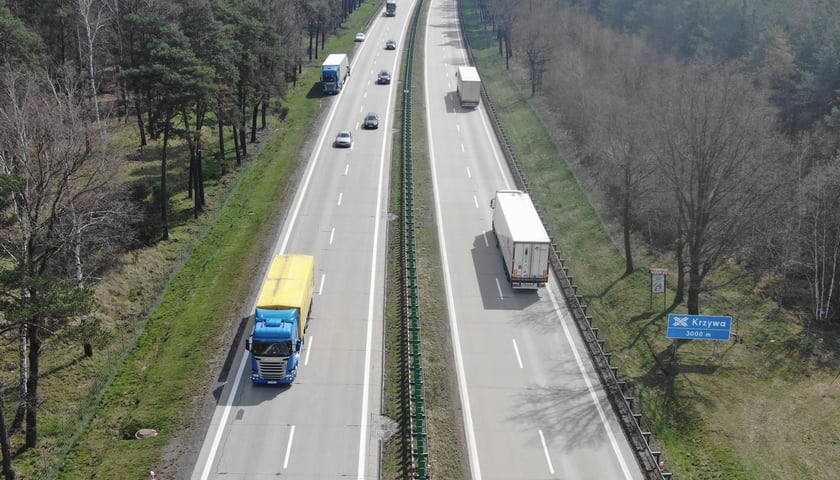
(308, 349)
(545, 450)
(211, 456)
(469, 429)
(589, 386)
(289, 447)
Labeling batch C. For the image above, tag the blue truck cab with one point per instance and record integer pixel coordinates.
(275, 346)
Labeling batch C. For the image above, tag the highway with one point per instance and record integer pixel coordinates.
(533, 407)
(326, 424)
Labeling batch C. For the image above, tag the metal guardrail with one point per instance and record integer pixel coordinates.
(619, 392)
(420, 465)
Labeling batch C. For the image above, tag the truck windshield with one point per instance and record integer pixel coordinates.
(272, 349)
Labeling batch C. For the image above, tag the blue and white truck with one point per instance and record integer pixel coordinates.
(280, 319)
(334, 72)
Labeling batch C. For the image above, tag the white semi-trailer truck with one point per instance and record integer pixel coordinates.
(521, 238)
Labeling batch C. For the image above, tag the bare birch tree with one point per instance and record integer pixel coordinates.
(45, 143)
(819, 238)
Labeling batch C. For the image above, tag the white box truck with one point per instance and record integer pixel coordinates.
(469, 86)
(522, 239)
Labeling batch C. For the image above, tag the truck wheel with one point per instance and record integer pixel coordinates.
(504, 266)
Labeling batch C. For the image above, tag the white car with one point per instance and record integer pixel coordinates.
(344, 139)
(360, 37)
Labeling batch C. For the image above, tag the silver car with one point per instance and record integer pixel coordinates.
(344, 139)
(384, 77)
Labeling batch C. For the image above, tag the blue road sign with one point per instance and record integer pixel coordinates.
(699, 327)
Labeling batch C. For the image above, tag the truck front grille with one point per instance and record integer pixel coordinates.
(272, 368)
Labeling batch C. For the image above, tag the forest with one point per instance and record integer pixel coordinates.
(709, 129)
(188, 76)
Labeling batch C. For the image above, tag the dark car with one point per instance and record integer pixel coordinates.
(384, 77)
(371, 121)
(390, 45)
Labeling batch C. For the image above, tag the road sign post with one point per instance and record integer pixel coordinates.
(657, 284)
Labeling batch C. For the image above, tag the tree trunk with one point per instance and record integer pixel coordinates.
(87, 348)
(254, 117)
(236, 145)
(23, 375)
(309, 46)
(694, 281)
(628, 251)
(263, 114)
(32, 387)
(679, 295)
(5, 447)
(191, 181)
(242, 135)
(199, 193)
(164, 198)
(222, 160)
(627, 217)
(139, 112)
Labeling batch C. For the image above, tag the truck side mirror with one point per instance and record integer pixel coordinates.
(248, 344)
(492, 203)
(297, 346)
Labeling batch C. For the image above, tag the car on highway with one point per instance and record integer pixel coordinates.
(390, 45)
(371, 121)
(384, 77)
(360, 37)
(344, 139)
